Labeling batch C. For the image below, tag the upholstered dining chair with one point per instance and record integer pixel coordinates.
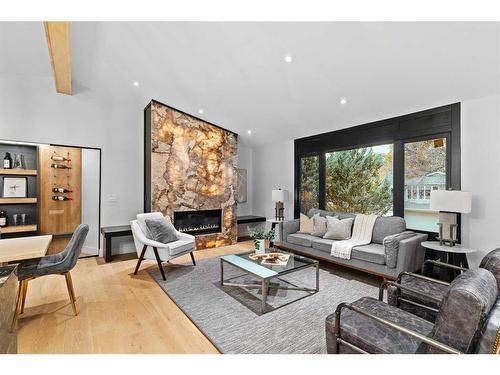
(467, 322)
(148, 248)
(422, 295)
(57, 264)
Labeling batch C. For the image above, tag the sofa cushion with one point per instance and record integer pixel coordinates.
(386, 226)
(306, 224)
(338, 229)
(180, 246)
(161, 230)
(301, 239)
(319, 226)
(373, 253)
(375, 337)
(323, 244)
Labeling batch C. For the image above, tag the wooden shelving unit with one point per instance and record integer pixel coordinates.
(19, 206)
(17, 200)
(19, 172)
(19, 229)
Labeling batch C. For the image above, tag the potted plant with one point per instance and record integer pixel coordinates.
(260, 237)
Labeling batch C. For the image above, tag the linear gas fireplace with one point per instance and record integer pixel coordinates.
(198, 222)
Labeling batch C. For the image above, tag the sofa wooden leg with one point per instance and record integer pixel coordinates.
(192, 258)
(139, 261)
(158, 260)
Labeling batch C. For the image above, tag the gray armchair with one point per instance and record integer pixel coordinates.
(372, 326)
(421, 295)
(57, 264)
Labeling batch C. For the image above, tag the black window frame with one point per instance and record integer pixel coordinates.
(439, 122)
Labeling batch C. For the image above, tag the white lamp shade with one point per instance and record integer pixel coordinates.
(278, 195)
(451, 201)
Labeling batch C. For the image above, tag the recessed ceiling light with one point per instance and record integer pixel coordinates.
(136, 84)
(288, 58)
(200, 111)
(343, 101)
(249, 132)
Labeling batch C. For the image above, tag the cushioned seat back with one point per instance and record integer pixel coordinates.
(491, 262)
(464, 311)
(387, 226)
(323, 213)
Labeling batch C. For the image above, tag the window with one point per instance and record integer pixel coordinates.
(424, 169)
(360, 180)
(309, 182)
(386, 167)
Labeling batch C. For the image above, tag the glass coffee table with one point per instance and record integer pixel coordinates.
(264, 273)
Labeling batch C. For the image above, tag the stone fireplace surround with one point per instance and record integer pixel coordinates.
(190, 165)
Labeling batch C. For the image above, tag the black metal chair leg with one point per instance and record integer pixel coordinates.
(155, 250)
(192, 258)
(141, 257)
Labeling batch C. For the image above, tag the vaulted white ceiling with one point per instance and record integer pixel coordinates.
(236, 72)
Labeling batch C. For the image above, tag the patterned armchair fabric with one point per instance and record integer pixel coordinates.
(466, 308)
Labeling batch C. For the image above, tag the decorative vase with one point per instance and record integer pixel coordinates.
(260, 246)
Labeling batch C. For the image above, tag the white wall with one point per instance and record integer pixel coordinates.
(245, 161)
(480, 138)
(272, 169)
(31, 111)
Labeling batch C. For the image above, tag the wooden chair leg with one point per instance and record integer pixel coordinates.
(192, 258)
(25, 292)
(158, 260)
(141, 257)
(71, 291)
(20, 291)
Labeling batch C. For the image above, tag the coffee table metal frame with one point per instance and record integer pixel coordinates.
(264, 282)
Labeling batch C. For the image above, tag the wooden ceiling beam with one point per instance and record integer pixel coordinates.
(57, 35)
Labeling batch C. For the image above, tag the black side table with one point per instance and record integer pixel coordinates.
(453, 255)
(109, 233)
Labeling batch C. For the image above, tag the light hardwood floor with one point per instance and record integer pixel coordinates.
(117, 311)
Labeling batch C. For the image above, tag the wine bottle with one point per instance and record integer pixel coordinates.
(3, 218)
(59, 166)
(59, 158)
(7, 161)
(61, 198)
(61, 190)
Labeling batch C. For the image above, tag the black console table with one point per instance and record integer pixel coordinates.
(109, 233)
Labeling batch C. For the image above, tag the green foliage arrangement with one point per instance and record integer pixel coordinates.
(259, 234)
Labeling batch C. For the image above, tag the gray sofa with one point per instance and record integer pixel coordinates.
(373, 258)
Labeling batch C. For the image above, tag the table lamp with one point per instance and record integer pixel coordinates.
(278, 196)
(450, 203)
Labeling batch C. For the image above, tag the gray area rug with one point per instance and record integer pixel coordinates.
(230, 316)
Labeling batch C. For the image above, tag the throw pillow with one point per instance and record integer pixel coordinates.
(306, 225)
(161, 230)
(338, 229)
(319, 226)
